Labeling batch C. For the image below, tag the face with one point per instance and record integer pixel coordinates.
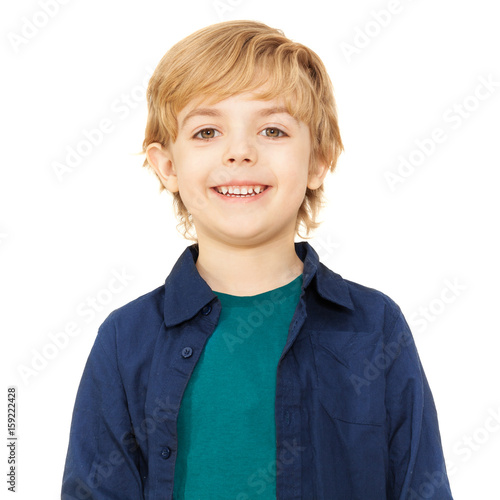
(239, 144)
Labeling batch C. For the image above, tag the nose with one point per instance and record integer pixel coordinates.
(240, 151)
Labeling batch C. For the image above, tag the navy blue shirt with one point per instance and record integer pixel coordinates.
(355, 418)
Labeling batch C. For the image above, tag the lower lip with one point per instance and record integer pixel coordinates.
(241, 199)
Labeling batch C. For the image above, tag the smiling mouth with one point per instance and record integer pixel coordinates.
(241, 192)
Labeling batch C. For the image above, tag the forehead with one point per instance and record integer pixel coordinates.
(247, 102)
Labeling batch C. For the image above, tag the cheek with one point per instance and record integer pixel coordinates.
(295, 189)
(294, 170)
(299, 186)
(192, 179)
(186, 167)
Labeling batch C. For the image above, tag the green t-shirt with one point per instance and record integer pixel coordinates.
(226, 425)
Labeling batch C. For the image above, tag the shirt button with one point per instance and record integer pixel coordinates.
(165, 453)
(186, 352)
(287, 417)
(206, 310)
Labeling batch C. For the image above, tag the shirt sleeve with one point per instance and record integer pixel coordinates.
(416, 462)
(102, 460)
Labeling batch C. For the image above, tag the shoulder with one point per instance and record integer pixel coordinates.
(366, 328)
(145, 308)
(361, 296)
(365, 308)
(365, 297)
(134, 324)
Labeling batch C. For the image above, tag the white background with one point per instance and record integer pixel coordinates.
(61, 239)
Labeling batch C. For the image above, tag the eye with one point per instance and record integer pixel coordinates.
(206, 133)
(273, 132)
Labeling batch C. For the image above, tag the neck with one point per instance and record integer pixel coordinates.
(248, 270)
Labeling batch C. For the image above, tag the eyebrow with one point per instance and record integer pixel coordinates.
(200, 112)
(276, 111)
(213, 112)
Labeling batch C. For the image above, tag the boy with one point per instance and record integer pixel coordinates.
(255, 371)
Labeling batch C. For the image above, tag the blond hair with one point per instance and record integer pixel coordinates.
(232, 57)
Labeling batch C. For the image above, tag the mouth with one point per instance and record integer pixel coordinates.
(241, 191)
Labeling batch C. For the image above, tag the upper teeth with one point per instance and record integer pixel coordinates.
(240, 189)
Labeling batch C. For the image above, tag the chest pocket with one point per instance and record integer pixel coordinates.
(350, 374)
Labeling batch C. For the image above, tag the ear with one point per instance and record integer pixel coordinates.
(316, 178)
(161, 160)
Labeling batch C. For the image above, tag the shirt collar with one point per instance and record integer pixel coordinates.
(186, 292)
